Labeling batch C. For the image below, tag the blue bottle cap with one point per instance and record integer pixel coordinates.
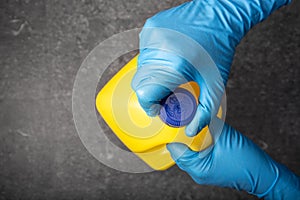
(179, 108)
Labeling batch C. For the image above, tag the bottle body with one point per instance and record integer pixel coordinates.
(147, 136)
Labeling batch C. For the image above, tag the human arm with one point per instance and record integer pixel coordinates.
(236, 162)
(217, 26)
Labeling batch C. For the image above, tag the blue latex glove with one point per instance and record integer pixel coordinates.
(236, 162)
(167, 61)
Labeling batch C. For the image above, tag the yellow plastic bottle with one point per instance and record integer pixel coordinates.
(145, 136)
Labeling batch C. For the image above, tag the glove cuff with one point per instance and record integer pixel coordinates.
(271, 187)
(286, 186)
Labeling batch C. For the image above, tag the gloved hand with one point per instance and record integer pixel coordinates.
(236, 162)
(168, 59)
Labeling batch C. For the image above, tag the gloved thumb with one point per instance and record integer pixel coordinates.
(182, 155)
(209, 101)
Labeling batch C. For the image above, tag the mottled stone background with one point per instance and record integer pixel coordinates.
(42, 44)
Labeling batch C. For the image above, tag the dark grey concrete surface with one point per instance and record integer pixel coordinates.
(42, 44)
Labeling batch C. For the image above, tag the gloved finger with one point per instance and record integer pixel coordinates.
(149, 97)
(152, 83)
(209, 101)
(200, 120)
